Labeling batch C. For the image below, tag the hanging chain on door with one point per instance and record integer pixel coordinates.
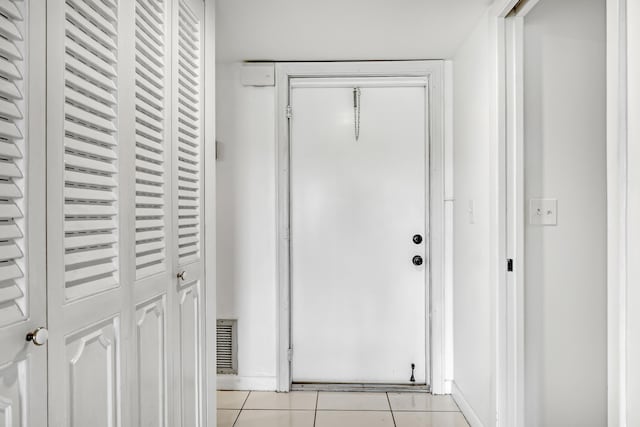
(356, 111)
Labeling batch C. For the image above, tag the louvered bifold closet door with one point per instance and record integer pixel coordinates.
(150, 179)
(188, 201)
(87, 297)
(23, 371)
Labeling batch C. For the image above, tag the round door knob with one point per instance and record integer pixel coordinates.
(182, 275)
(417, 239)
(417, 260)
(39, 336)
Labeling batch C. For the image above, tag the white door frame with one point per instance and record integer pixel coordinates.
(623, 21)
(209, 220)
(433, 71)
(510, 302)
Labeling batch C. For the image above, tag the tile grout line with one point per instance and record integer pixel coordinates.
(350, 410)
(460, 411)
(388, 398)
(241, 408)
(275, 410)
(393, 417)
(315, 413)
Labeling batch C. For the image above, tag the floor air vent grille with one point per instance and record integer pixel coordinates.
(227, 344)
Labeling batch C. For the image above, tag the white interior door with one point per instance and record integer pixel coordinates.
(125, 102)
(23, 370)
(88, 289)
(188, 199)
(124, 156)
(149, 164)
(358, 300)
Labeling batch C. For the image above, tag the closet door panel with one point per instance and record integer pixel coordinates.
(153, 270)
(23, 373)
(188, 202)
(151, 366)
(190, 326)
(124, 209)
(94, 375)
(87, 292)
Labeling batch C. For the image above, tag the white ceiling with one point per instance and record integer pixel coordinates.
(302, 30)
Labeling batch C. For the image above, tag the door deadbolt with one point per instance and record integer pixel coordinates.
(417, 239)
(417, 260)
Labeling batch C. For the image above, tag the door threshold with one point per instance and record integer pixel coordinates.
(381, 388)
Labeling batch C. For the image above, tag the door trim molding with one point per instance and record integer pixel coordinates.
(510, 302)
(622, 190)
(209, 233)
(433, 71)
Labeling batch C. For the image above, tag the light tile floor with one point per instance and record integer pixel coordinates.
(336, 409)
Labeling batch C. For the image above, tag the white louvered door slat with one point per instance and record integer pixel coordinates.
(189, 128)
(88, 297)
(90, 167)
(150, 57)
(188, 198)
(23, 370)
(10, 194)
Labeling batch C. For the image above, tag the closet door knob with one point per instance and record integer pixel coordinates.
(182, 275)
(39, 336)
(417, 260)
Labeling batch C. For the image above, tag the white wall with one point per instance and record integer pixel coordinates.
(246, 224)
(565, 265)
(473, 288)
(332, 30)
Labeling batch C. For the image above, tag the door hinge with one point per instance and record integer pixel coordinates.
(510, 264)
(290, 354)
(217, 149)
(289, 111)
(286, 235)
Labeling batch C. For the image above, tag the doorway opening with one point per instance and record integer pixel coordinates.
(554, 121)
(361, 225)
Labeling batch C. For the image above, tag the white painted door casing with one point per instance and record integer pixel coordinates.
(439, 330)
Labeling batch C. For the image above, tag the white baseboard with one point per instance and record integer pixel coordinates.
(234, 382)
(467, 411)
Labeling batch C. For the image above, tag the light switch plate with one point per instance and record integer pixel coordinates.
(543, 212)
